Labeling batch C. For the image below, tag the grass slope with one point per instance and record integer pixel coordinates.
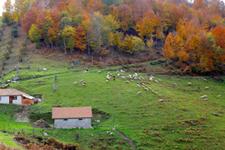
(8, 140)
(175, 118)
(169, 116)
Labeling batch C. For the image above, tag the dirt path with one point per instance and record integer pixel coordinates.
(127, 139)
(22, 116)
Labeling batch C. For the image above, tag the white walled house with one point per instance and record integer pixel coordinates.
(13, 96)
(72, 117)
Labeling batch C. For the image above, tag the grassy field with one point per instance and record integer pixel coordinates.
(166, 112)
(8, 140)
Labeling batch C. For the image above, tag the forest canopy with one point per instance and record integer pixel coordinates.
(193, 34)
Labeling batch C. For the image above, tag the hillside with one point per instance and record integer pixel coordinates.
(135, 111)
(189, 36)
(151, 71)
(173, 116)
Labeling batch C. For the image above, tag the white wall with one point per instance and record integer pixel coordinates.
(72, 123)
(4, 100)
(18, 101)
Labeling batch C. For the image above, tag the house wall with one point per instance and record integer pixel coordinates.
(72, 123)
(18, 101)
(4, 99)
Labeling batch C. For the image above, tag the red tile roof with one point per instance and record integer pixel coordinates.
(71, 112)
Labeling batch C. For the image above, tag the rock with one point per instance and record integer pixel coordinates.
(98, 121)
(45, 69)
(45, 134)
(204, 97)
(16, 79)
(41, 124)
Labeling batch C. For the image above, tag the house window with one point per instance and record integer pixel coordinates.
(0, 98)
(80, 119)
(65, 119)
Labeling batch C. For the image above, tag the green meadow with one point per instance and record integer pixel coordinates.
(166, 112)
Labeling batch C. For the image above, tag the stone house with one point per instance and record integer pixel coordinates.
(13, 96)
(72, 117)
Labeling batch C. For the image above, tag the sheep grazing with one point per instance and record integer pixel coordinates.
(139, 93)
(108, 77)
(189, 83)
(122, 71)
(83, 83)
(204, 97)
(151, 78)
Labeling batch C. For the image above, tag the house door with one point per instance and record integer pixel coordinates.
(11, 99)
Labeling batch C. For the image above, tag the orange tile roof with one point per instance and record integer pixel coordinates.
(71, 112)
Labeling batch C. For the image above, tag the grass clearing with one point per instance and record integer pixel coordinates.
(175, 118)
(8, 140)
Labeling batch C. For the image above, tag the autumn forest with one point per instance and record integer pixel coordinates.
(191, 36)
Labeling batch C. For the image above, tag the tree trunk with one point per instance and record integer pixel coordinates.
(64, 43)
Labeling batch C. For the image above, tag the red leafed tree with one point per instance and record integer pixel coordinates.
(29, 18)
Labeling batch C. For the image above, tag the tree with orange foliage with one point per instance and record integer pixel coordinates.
(52, 35)
(219, 35)
(80, 38)
(148, 25)
(123, 13)
(94, 5)
(169, 47)
(192, 44)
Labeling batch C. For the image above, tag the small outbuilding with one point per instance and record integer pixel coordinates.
(13, 96)
(72, 117)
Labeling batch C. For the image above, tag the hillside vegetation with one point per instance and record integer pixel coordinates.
(122, 58)
(135, 111)
(189, 35)
(165, 113)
